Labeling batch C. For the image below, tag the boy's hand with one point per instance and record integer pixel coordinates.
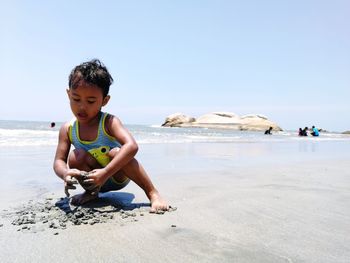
(95, 178)
(87, 184)
(70, 180)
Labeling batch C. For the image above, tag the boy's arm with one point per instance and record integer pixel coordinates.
(126, 153)
(128, 148)
(62, 151)
(60, 163)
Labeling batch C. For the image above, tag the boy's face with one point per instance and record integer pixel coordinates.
(86, 101)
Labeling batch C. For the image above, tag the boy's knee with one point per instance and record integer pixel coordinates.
(77, 157)
(113, 152)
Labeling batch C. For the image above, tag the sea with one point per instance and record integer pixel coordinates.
(35, 133)
(27, 150)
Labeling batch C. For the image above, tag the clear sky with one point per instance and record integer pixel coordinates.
(288, 60)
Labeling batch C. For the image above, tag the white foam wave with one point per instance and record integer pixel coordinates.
(26, 137)
(149, 135)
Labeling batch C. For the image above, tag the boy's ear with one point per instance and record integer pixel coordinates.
(68, 92)
(105, 100)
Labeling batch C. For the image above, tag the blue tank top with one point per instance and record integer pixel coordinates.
(99, 147)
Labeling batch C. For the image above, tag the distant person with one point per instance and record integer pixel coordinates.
(53, 124)
(104, 156)
(315, 131)
(268, 131)
(300, 132)
(305, 131)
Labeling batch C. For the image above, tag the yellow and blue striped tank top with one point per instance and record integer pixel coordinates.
(98, 148)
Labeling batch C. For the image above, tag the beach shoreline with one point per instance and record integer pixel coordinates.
(252, 202)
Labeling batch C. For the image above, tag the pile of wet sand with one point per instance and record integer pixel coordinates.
(59, 214)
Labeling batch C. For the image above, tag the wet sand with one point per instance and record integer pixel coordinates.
(235, 203)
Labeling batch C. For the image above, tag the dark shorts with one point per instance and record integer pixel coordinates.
(113, 185)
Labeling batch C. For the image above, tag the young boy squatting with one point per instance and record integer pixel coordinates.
(103, 158)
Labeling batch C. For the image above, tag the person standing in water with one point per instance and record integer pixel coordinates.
(315, 131)
(269, 131)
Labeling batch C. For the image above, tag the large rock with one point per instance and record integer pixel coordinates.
(257, 122)
(219, 118)
(225, 120)
(176, 119)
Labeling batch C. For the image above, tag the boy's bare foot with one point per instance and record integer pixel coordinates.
(158, 204)
(83, 198)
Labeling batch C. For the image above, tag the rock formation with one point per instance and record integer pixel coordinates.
(176, 119)
(226, 120)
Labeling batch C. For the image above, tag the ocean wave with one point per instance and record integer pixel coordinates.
(156, 135)
(27, 137)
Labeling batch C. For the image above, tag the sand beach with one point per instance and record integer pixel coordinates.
(214, 93)
(233, 202)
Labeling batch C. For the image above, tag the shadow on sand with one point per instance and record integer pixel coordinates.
(107, 202)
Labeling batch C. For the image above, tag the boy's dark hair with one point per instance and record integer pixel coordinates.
(92, 72)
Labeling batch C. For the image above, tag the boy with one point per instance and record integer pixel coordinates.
(103, 158)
